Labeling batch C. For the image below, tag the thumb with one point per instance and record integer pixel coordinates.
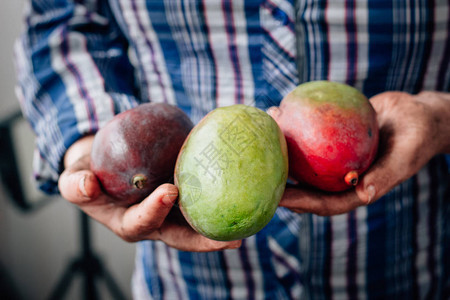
(378, 181)
(143, 218)
(78, 186)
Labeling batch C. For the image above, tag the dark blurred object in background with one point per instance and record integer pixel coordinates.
(16, 162)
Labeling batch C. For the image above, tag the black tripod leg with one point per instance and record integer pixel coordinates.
(116, 293)
(89, 266)
(65, 281)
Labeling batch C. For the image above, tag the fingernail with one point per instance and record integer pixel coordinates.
(371, 193)
(82, 187)
(168, 199)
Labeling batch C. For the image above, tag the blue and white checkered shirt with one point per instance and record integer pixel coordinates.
(80, 62)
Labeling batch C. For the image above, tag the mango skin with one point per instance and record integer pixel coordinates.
(142, 141)
(331, 130)
(231, 173)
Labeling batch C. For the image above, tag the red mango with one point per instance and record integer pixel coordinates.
(331, 132)
(136, 151)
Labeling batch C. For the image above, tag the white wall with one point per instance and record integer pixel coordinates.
(35, 248)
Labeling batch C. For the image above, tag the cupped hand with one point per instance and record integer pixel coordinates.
(155, 218)
(413, 128)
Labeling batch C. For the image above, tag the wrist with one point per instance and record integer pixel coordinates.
(445, 124)
(77, 150)
(439, 103)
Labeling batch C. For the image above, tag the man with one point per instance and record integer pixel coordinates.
(81, 62)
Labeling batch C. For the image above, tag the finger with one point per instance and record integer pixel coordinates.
(384, 101)
(319, 203)
(141, 220)
(78, 187)
(177, 233)
(202, 244)
(274, 112)
(185, 238)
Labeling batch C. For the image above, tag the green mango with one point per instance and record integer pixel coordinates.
(231, 172)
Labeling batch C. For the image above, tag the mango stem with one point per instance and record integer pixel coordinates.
(351, 178)
(139, 181)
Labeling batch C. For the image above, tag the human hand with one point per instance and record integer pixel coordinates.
(413, 128)
(154, 218)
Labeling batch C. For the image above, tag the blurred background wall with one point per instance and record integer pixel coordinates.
(36, 247)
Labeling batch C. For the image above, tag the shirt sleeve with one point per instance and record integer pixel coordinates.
(73, 76)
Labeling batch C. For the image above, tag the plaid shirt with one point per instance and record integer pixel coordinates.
(80, 62)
